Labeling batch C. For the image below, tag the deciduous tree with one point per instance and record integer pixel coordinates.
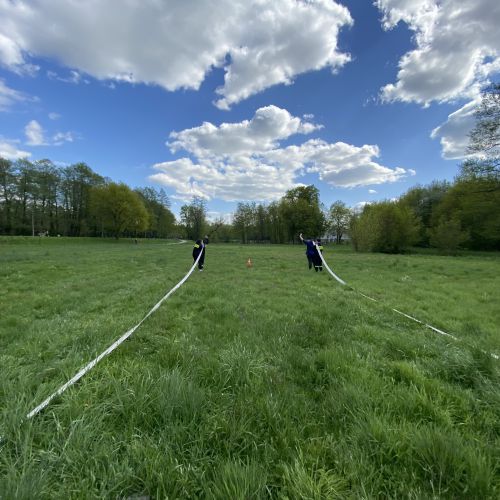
(194, 218)
(119, 209)
(339, 217)
(485, 138)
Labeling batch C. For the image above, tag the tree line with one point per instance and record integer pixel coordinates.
(42, 198)
(39, 197)
(445, 215)
(442, 215)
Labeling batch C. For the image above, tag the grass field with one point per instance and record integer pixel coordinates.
(273, 381)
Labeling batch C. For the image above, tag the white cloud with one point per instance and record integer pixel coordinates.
(453, 134)
(345, 165)
(245, 180)
(36, 136)
(358, 207)
(214, 216)
(9, 151)
(54, 116)
(62, 137)
(244, 161)
(262, 133)
(174, 44)
(9, 96)
(457, 48)
(372, 191)
(10, 52)
(74, 77)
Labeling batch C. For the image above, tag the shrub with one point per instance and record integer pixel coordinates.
(448, 235)
(385, 227)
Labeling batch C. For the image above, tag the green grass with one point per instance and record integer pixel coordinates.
(266, 382)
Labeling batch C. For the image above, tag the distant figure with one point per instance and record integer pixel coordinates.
(199, 247)
(249, 262)
(310, 250)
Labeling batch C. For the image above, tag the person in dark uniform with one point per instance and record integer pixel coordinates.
(318, 263)
(310, 250)
(199, 247)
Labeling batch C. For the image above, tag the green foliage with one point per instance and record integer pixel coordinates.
(385, 227)
(194, 218)
(425, 201)
(259, 223)
(339, 219)
(474, 202)
(447, 235)
(117, 209)
(161, 219)
(245, 221)
(36, 197)
(301, 211)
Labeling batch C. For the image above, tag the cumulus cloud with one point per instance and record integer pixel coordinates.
(35, 136)
(10, 53)
(245, 160)
(453, 134)
(9, 150)
(346, 165)
(259, 43)
(457, 48)
(263, 132)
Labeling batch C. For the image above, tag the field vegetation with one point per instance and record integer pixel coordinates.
(270, 381)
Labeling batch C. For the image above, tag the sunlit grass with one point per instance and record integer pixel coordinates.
(272, 381)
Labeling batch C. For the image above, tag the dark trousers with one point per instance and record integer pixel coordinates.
(201, 262)
(318, 263)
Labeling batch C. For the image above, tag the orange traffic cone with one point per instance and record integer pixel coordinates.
(249, 262)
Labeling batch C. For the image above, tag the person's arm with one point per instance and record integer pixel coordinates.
(301, 239)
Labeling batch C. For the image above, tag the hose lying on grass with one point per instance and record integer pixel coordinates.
(112, 347)
(433, 328)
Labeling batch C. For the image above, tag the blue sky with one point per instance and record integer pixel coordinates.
(362, 99)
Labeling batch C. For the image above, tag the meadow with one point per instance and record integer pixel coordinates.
(265, 382)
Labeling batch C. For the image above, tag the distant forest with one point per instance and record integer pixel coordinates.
(39, 198)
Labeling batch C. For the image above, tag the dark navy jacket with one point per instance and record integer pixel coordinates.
(198, 246)
(310, 249)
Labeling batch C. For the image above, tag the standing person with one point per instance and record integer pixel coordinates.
(310, 250)
(317, 261)
(199, 247)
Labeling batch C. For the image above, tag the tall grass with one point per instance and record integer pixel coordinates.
(247, 383)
